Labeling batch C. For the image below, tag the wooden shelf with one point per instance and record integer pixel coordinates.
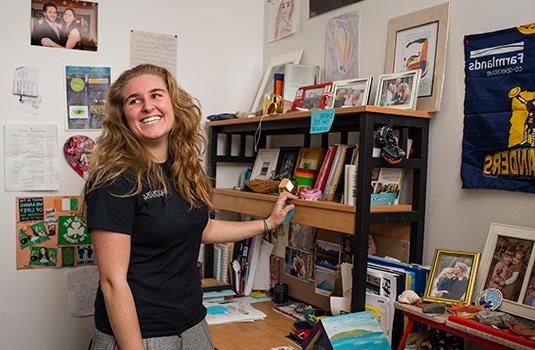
(349, 111)
(322, 214)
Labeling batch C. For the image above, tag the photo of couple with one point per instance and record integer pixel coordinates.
(452, 276)
(71, 25)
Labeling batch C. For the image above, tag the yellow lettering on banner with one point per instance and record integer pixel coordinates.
(513, 160)
(505, 163)
(487, 167)
(496, 164)
(523, 161)
(531, 159)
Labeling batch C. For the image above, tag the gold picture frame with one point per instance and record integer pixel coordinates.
(452, 276)
(519, 300)
(418, 40)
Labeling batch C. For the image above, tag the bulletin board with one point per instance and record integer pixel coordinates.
(51, 234)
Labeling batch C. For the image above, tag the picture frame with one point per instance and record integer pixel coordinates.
(275, 65)
(265, 163)
(398, 90)
(452, 276)
(286, 163)
(419, 40)
(351, 92)
(316, 96)
(519, 294)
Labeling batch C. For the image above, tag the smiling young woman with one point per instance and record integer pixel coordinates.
(147, 201)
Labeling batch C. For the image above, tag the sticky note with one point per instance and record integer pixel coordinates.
(321, 121)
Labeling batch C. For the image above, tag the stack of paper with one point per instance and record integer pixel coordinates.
(232, 312)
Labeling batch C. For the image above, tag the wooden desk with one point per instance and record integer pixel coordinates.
(262, 335)
(489, 338)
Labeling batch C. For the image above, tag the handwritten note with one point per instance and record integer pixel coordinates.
(321, 121)
(158, 49)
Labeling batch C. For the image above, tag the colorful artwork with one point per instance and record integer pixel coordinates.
(416, 49)
(77, 150)
(341, 47)
(55, 238)
(283, 18)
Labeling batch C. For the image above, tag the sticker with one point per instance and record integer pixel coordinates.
(72, 231)
(41, 256)
(77, 150)
(78, 112)
(85, 255)
(51, 229)
(30, 209)
(67, 256)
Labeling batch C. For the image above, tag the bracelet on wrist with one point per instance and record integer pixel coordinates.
(266, 226)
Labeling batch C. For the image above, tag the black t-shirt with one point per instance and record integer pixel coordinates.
(165, 241)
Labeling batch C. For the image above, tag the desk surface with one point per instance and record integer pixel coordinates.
(264, 334)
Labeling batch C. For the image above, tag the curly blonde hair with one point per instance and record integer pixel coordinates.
(117, 150)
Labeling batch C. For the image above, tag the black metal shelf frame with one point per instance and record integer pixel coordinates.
(365, 123)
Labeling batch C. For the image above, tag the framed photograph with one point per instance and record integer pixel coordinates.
(275, 65)
(286, 162)
(507, 265)
(452, 276)
(418, 40)
(68, 25)
(265, 164)
(398, 90)
(350, 93)
(313, 96)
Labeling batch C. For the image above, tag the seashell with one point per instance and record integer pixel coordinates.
(408, 297)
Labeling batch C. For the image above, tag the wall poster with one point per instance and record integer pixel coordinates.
(86, 89)
(341, 47)
(50, 233)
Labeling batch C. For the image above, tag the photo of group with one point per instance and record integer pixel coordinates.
(452, 276)
(350, 93)
(67, 24)
(398, 90)
(509, 265)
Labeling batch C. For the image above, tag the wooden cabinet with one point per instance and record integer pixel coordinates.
(331, 216)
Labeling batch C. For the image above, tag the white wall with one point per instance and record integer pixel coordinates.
(219, 62)
(455, 219)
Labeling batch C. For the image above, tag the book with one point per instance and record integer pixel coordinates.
(359, 330)
(308, 164)
(349, 184)
(325, 168)
(387, 187)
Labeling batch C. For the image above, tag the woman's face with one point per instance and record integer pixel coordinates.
(68, 16)
(42, 251)
(148, 109)
(286, 8)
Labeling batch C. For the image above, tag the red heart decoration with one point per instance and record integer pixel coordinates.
(77, 149)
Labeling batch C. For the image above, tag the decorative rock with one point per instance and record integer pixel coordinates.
(489, 317)
(434, 308)
(408, 297)
(509, 319)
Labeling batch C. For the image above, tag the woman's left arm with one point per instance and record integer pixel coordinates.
(228, 231)
(73, 39)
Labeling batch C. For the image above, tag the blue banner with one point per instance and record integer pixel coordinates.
(499, 110)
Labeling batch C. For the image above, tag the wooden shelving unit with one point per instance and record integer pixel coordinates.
(327, 215)
(321, 214)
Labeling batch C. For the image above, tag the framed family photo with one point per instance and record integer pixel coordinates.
(275, 65)
(313, 96)
(507, 265)
(352, 92)
(418, 40)
(398, 90)
(452, 276)
(265, 163)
